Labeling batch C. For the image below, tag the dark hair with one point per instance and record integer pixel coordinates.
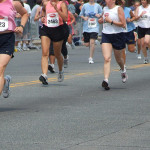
(118, 2)
(39, 2)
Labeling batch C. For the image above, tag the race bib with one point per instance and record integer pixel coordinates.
(3, 24)
(52, 20)
(92, 23)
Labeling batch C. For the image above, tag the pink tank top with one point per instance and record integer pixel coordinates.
(69, 18)
(7, 16)
(52, 17)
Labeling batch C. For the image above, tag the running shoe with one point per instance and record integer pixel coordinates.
(72, 46)
(68, 45)
(19, 49)
(91, 61)
(51, 68)
(25, 48)
(97, 42)
(66, 63)
(6, 89)
(139, 56)
(146, 61)
(60, 76)
(43, 79)
(124, 77)
(105, 85)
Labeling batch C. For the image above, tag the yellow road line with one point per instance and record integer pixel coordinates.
(19, 84)
(49, 79)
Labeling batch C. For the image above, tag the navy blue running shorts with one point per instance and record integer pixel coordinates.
(143, 31)
(87, 36)
(117, 40)
(129, 37)
(7, 43)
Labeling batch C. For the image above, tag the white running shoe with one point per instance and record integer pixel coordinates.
(72, 46)
(91, 61)
(124, 77)
(68, 45)
(60, 76)
(25, 48)
(139, 56)
(6, 89)
(97, 42)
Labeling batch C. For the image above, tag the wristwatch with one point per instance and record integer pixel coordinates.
(21, 26)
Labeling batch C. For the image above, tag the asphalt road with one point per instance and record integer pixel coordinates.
(76, 114)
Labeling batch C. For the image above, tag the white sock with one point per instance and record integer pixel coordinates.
(52, 65)
(106, 80)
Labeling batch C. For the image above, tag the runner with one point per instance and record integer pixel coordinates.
(54, 13)
(143, 16)
(8, 10)
(71, 20)
(138, 41)
(113, 38)
(90, 13)
(129, 32)
(38, 16)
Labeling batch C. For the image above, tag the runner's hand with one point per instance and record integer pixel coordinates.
(86, 18)
(19, 30)
(100, 21)
(128, 20)
(107, 19)
(98, 15)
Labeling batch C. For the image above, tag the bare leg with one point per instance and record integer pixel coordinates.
(124, 56)
(139, 46)
(92, 47)
(119, 59)
(58, 55)
(107, 52)
(52, 59)
(45, 53)
(143, 47)
(4, 60)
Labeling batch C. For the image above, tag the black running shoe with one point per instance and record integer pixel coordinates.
(51, 69)
(43, 80)
(105, 85)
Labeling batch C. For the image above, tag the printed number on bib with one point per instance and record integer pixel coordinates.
(92, 23)
(52, 20)
(3, 24)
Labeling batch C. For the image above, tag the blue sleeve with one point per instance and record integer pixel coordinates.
(100, 10)
(82, 13)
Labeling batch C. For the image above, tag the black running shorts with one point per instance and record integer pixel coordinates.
(7, 43)
(55, 34)
(142, 32)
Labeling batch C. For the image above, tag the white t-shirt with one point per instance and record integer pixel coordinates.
(144, 21)
(33, 12)
(27, 7)
(113, 15)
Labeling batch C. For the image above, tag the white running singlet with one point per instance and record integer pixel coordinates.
(113, 15)
(144, 21)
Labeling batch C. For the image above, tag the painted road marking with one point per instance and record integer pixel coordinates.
(67, 77)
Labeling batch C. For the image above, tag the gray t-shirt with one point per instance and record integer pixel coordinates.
(71, 8)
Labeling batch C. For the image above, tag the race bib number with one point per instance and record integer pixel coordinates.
(92, 23)
(52, 20)
(3, 24)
